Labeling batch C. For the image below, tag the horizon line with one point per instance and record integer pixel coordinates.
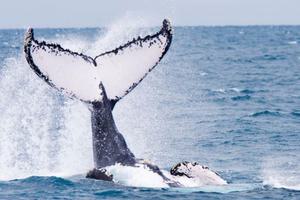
(178, 26)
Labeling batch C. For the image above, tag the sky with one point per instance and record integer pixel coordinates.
(97, 13)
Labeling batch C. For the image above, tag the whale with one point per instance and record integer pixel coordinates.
(100, 82)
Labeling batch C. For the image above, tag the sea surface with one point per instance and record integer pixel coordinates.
(226, 97)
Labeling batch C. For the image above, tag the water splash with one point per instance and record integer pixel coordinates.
(42, 132)
(120, 32)
(38, 134)
(282, 172)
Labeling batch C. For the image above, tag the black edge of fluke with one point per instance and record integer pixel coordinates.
(29, 39)
(28, 35)
(166, 30)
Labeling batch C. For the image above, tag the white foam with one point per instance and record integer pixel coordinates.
(42, 132)
(235, 89)
(220, 90)
(279, 181)
(217, 188)
(119, 32)
(223, 90)
(293, 42)
(136, 176)
(281, 172)
(203, 73)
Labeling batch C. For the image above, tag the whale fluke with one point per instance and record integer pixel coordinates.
(78, 75)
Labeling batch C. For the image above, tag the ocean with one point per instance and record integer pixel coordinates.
(226, 97)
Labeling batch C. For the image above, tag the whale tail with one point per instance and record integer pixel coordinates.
(119, 70)
(109, 145)
(100, 81)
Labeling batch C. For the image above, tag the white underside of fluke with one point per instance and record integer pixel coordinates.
(69, 73)
(119, 72)
(78, 75)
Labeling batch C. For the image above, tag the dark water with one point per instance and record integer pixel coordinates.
(228, 97)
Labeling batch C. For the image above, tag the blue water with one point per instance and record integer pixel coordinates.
(227, 97)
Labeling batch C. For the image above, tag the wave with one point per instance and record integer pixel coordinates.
(223, 90)
(36, 186)
(244, 94)
(265, 57)
(247, 91)
(265, 113)
(113, 193)
(239, 60)
(241, 98)
(236, 90)
(295, 113)
(44, 180)
(268, 57)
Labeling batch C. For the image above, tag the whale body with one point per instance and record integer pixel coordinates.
(100, 82)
